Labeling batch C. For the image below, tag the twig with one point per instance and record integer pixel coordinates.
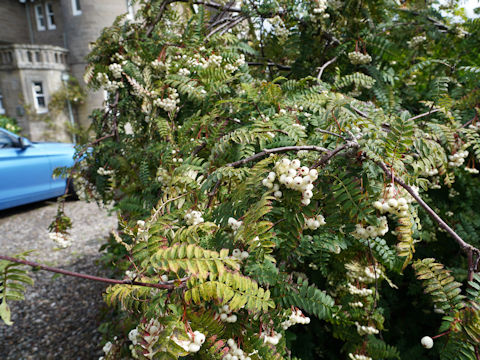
(424, 114)
(466, 247)
(159, 16)
(330, 133)
(324, 67)
(269, 63)
(322, 161)
(277, 150)
(171, 284)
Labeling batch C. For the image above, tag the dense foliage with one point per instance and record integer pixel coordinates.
(268, 162)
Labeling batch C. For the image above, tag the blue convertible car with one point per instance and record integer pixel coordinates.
(26, 169)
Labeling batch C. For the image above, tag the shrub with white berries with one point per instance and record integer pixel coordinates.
(234, 224)
(272, 339)
(352, 289)
(62, 239)
(193, 217)
(239, 254)
(314, 222)
(293, 176)
(357, 58)
(395, 201)
(116, 70)
(234, 352)
(169, 104)
(427, 342)
(359, 357)
(194, 342)
(226, 314)
(296, 317)
(458, 158)
(365, 330)
(371, 231)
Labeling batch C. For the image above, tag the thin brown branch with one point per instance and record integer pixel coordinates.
(324, 66)
(466, 247)
(269, 63)
(326, 158)
(277, 150)
(330, 133)
(424, 114)
(159, 16)
(171, 284)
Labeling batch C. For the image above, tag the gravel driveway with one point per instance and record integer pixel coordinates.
(59, 318)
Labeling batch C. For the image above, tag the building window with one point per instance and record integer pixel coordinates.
(76, 8)
(40, 18)
(39, 97)
(2, 109)
(50, 16)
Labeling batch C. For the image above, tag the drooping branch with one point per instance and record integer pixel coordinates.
(277, 150)
(171, 284)
(326, 158)
(324, 66)
(466, 247)
(424, 114)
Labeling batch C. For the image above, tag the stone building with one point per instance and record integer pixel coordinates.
(41, 43)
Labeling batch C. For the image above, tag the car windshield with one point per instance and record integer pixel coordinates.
(6, 140)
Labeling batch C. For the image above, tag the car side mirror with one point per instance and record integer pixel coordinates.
(23, 143)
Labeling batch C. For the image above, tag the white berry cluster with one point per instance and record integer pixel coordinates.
(116, 70)
(395, 202)
(184, 72)
(474, 126)
(427, 342)
(296, 317)
(294, 176)
(169, 104)
(365, 330)
(159, 65)
(239, 254)
(417, 40)
(103, 172)
(107, 84)
(458, 158)
(194, 342)
(321, 6)
(133, 336)
(107, 347)
(471, 170)
(431, 172)
(357, 58)
(314, 222)
(234, 224)
(352, 289)
(132, 275)
(356, 304)
(234, 352)
(268, 182)
(371, 231)
(193, 217)
(234, 67)
(271, 339)
(128, 128)
(279, 27)
(62, 240)
(359, 357)
(364, 274)
(226, 315)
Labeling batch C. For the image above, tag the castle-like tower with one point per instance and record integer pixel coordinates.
(41, 42)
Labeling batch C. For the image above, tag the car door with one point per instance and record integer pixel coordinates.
(25, 174)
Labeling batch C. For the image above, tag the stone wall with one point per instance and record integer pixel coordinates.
(13, 23)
